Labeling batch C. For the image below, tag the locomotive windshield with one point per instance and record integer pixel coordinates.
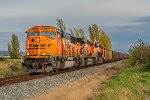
(67, 36)
(49, 34)
(32, 34)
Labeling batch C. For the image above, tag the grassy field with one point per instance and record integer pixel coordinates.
(9, 67)
(132, 83)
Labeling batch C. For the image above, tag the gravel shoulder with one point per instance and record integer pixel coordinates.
(84, 88)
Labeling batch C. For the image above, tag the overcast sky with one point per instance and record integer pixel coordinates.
(125, 21)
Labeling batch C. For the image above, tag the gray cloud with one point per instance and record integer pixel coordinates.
(142, 20)
(123, 37)
(123, 20)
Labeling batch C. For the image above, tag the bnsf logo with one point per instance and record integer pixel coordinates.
(39, 45)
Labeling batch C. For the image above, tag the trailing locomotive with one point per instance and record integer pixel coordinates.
(49, 49)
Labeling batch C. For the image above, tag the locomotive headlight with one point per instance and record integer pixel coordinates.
(37, 39)
(27, 53)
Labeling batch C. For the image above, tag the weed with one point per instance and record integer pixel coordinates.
(10, 67)
(14, 66)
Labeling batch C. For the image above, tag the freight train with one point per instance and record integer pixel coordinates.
(49, 49)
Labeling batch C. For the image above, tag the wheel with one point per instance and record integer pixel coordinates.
(75, 65)
(82, 61)
(55, 70)
(95, 61)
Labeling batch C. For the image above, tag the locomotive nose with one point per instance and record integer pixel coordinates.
(38, 46)
(34, 39)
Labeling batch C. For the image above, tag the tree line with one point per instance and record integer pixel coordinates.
(96, 34)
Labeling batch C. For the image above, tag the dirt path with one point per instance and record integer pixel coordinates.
(82, 89)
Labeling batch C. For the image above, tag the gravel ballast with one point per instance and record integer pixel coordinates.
(37, 86)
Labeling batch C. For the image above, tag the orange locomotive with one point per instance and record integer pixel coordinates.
(49, 49)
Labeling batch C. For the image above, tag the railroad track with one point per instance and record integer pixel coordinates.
(27, 77)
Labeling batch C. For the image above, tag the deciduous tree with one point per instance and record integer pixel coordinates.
(97, 35)
(79, 33)
(61, 26)
(13, 48)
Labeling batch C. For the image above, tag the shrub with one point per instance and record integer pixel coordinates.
(10, 67)
(140, 53)
(14, 66)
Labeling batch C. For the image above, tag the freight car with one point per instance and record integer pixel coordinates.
(49, 49)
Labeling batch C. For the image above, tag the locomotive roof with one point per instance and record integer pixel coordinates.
(73, 39)
(46, 27)
(41, 28)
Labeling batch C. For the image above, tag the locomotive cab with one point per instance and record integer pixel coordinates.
(39, 41)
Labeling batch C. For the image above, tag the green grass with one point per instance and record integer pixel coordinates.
(10, 67)
(132, 83)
